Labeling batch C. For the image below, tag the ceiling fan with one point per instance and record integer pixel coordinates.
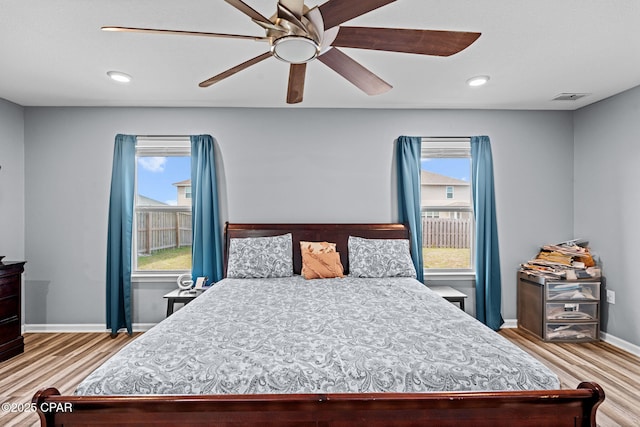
(298, 34)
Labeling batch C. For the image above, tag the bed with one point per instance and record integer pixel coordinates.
(290, 351)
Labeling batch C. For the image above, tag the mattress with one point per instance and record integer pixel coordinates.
(291, 335)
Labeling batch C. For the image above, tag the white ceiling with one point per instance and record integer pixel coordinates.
(52, 53)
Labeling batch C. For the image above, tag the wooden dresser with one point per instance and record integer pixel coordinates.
(11, 341)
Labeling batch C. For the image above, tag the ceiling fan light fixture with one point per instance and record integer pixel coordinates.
(119, 76)
(478, 81)
(298, 34)
(295, 49)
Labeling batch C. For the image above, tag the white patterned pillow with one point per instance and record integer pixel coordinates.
(380, 258)
(260, 257)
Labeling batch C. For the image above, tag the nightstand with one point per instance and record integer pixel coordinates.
(450, 294)
(180, 296)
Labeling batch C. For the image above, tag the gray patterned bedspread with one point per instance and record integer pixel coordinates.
(291, 335)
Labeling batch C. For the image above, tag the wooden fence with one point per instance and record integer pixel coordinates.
(162, 230)
(446, 233)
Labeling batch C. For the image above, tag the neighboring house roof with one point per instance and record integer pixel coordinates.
(148, 201)
(185, 183)
(432, 178)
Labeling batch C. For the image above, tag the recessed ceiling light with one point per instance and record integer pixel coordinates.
(477, 81)
(119, 76)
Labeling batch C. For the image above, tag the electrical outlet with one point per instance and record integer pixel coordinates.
(611, 297)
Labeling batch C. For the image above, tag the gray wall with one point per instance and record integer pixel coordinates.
(12, 191)
(286, 165)
(607, 201)
(12, 187)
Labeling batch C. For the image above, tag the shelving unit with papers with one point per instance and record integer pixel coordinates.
(559, 310)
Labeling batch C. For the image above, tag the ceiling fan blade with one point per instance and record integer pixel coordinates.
(424, 42)
(296, 83)
(335, 12)
(182, 33)
(234, 70)
(296, 7)
(249, 11)
(348, 68)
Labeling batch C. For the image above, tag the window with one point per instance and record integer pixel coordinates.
(449, 192)
(162, 226)
(447, 209)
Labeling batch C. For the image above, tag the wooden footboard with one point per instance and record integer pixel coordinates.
(522, 408)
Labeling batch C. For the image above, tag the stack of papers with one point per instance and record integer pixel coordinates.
(566, 261)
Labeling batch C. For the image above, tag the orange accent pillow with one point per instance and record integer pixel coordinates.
(321, 265)
(320, 260)
(317, 247)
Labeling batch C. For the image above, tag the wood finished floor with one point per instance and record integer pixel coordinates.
(617, 372)
(63, 360)
(51, 360)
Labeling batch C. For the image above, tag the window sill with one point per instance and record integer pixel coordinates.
(169, 277)
(446, 275)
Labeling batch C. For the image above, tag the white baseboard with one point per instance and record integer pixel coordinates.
(84, 327)
(509, 324)
(620, 343)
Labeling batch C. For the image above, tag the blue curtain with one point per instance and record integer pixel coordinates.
(207, 234)
(119, 234)
(408, 157)
(488, 282)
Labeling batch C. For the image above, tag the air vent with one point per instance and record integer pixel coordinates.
(570, 96)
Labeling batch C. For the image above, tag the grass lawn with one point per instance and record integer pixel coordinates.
(180, 259)
(166, 259)
(446, 258)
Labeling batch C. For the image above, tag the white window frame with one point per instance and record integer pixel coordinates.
(155, 146)
(449, 192)
(450, 147)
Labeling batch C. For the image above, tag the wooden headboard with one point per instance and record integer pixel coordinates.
(335, 233)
